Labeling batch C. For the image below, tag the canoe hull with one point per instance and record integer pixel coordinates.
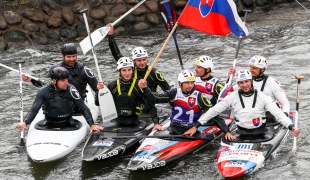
(50, 145)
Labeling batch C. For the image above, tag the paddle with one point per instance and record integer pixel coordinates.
(107, 106)
(32, 77)
(22, 142)
(167, 10)
(157, 136)
(296, 114)
(228, 87)
(160, 52)
(102, 32)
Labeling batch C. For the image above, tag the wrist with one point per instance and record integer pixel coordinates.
(290, 127)
(197, 124)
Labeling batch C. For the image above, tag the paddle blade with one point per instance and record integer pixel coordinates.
(225, 91)
(107, 106)
(96, 37)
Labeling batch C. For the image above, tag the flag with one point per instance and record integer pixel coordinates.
(216, 17)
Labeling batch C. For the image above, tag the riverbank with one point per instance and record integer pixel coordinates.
(25, 22)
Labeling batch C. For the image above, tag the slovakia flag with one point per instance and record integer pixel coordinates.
(216, 17)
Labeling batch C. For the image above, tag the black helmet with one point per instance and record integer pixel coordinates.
(59, 73)
(68, 48)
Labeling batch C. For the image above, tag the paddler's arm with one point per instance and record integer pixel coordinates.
(37, 83)
(279, 115)
(33, 110)
(149, 100)
(86, 113)
(112, 44)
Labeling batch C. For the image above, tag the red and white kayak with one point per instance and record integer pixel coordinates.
(155, 153)
(244, 156)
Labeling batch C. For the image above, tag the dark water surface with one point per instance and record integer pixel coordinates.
(282, 36)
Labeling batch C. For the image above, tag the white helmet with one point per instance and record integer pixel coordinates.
(205, 62)
(258, 61)
(186, 76)
(124, 62)
(242, 75)
(139, 52)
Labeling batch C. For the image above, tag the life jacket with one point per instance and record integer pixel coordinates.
(206, 87)
(58, 106)
(126, 105)
(185, 110)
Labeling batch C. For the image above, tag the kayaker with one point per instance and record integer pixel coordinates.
(248, 106)
(266, 84)
(79, 74)
(57, 99)
(205, 82)
(187, 105)
(140, 59)
(127, 92)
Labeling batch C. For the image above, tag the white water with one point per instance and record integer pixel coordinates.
(282, 36)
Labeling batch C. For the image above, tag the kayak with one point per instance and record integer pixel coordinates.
(100, 147)
(246, 155)
(156, 153)
(48, 144)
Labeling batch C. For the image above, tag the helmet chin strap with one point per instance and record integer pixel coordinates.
(260, 75)
(56, 86)
(206, 72)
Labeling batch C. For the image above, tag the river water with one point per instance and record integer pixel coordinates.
(282, 36)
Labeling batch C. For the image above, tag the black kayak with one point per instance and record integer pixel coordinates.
(100, 147)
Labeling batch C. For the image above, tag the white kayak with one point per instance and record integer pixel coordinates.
(44, 145)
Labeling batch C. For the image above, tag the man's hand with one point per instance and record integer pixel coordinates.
(25, 78)
(21, 126)
(232, 71)
(158, 127)
(296, 131)
(191, 131)
(111, 31)
(142, 83)
(229, 136)
(94, 128)
(100, 85)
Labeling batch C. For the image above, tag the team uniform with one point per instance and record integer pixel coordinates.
(57, 106)
(127, 97)
(272, 88)
(186, 108)
(155, 77)
(249, 112)
(210, 86)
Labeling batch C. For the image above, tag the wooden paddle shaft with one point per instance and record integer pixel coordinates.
(299, 77)
(160, 52)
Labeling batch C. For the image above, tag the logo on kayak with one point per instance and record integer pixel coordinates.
(150, 147)
(256, 121)
(101, 94)
(191, 102)
(205, 7)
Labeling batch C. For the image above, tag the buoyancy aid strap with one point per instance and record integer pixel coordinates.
(131, 87)
(255, 97)
(264, 83)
